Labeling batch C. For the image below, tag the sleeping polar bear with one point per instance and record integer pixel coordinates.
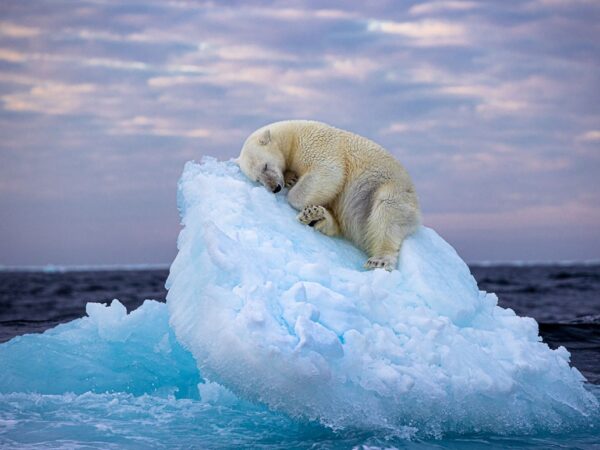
(341, 183)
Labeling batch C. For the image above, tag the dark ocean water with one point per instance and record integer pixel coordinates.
(564, 299)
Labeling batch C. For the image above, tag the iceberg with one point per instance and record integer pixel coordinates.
(282, 315)
(107, 351)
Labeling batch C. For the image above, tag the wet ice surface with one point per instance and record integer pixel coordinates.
(113, 379)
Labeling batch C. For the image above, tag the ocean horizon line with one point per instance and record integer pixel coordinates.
(58, 268)
(51, 268)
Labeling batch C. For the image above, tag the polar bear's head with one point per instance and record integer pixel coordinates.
(261, 160)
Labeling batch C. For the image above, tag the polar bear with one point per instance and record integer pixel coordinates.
(342, 184)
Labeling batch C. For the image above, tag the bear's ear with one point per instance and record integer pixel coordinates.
(265, 137)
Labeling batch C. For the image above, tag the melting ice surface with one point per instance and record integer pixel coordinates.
(274, 335)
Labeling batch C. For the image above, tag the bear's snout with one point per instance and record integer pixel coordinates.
(272, 180)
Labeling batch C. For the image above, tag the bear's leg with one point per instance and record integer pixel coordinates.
(393, 217)
(317, 187)
(320, 218)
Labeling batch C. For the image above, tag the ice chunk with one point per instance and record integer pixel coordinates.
(109, 351)
(280, 314)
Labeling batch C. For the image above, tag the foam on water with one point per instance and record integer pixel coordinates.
(283, 315)
(118, 420)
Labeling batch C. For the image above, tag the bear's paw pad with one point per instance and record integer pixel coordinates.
(312, 214)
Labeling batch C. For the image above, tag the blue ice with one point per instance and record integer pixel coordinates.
(106, 351)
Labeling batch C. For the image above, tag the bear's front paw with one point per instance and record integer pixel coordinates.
(311, 215)
(290, 178)
(381, 262)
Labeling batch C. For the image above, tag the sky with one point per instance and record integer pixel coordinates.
(493, 107)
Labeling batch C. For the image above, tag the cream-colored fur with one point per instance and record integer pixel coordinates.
(341, 183)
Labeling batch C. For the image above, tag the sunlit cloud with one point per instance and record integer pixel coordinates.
(301, 14)
(223, 70)
(49, 98)
(426, 33)
(15, 56)
(18, 79)
(179, 80)
(352, 68)
(409, 127)
(11, 55)
(150, 36)
(436, 7)
(590, 136)
(513, 97)
(108, 63)
(158, 126)
(252, 53)
(282, 14)
(13, 30)
(507, 158)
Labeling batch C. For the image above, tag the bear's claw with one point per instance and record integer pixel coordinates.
(311, 215)
(381, 262)
(290, 179)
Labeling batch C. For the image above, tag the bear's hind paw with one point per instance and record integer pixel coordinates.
(381, 262)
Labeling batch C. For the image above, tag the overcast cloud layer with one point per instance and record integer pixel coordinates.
(494, 107)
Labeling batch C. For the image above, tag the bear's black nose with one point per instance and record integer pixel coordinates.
(277, 189)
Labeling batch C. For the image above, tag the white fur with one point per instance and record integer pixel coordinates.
(341, 183)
